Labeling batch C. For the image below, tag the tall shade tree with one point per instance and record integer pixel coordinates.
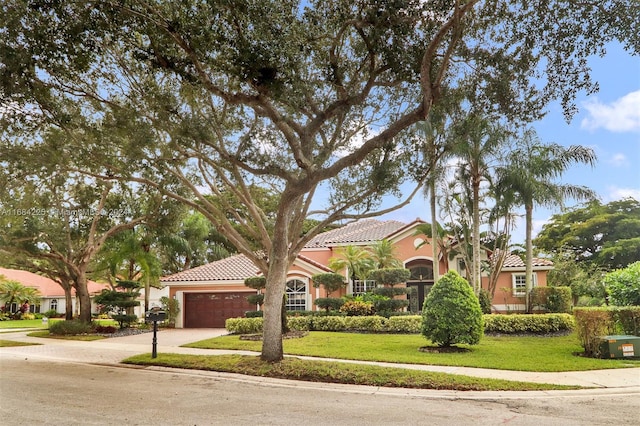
(595, 235)
(59, 225)
(531, 173)
(300, 97)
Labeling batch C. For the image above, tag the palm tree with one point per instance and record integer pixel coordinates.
(478, 142)
(14, 292)
(437, 150)
(383, 254)
(530, 171)
(355, 260)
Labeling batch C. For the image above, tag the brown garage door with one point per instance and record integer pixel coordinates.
(210, 310)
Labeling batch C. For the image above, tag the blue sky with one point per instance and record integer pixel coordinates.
(607, 121)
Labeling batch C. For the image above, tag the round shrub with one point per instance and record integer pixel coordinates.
(452, 313)
(329, 303)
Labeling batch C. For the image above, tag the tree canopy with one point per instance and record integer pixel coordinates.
(197, 98)
(601, 235)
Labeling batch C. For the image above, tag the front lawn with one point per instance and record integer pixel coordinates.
(502, 353)
(10, 343)
(332, 372)
(34, 323)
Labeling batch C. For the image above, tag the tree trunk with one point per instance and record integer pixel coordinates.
(528, 256)
(435, 235)
(68, 308)
(84, 299)
(476, 273)
(273, 300)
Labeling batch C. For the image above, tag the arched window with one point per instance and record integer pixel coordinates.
(53, 305)
(296, 295)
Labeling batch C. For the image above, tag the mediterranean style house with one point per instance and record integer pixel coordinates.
(212, 293)
(53, 298)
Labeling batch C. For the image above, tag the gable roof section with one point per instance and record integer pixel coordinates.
(46, 286)
(236, 267)
(514, 261)
(233, 268)
(364, 231)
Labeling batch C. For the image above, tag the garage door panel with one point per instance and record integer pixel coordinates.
(211, 310)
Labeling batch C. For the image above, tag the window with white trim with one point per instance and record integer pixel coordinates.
(53, 305)
(296, 295)
(363, 286)
(519, 286)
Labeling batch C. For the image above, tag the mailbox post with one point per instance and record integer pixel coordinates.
(154, 315)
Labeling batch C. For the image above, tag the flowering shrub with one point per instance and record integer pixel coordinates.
(356, 308)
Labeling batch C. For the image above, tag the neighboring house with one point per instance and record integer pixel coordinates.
(155, 294)
(211, 293)
(52, 293)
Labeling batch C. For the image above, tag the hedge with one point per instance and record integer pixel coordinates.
(543, 323)
(552, 299)
(593, 323)
(525, 323)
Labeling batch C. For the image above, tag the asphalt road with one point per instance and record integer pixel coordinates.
(43, 392)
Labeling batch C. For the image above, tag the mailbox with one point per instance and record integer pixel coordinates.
(155, 315)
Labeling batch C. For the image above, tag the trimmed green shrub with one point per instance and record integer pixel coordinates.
(256, 299)
(329, 303)
(357, 308)
(390, 276)
(330, 281)
(370, 323)
(452, 313)
(256, 283)
(627, 319)
(390, 292)
(552, 299)
(526, 323)
(329, 323)
(51, 313)
(623, 286)
(299, 323)
(70, 328)
(591, 324)
(243, 325)
(254, 314)
(404, 324)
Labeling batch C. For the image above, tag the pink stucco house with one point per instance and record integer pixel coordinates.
(211, 293)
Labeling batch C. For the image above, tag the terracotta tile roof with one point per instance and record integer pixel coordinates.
(46, 286)
(364, 231)
(237, 267)
(514, 261)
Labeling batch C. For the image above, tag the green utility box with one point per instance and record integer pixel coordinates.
(620, 347)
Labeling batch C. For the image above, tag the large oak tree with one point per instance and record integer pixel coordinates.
(307, 98)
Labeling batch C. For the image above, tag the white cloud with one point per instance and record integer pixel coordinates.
(616, 193)
(619, 160)
(621, 115)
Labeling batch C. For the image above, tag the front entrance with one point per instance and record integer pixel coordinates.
(417, 296)
(211, 310)
(420, 282)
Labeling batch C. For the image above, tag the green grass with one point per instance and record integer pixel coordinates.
(503, 353)
(10, 343)
(35, 323)
(331, 372)
(81, 337)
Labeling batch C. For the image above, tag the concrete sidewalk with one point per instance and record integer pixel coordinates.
(114, 350)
